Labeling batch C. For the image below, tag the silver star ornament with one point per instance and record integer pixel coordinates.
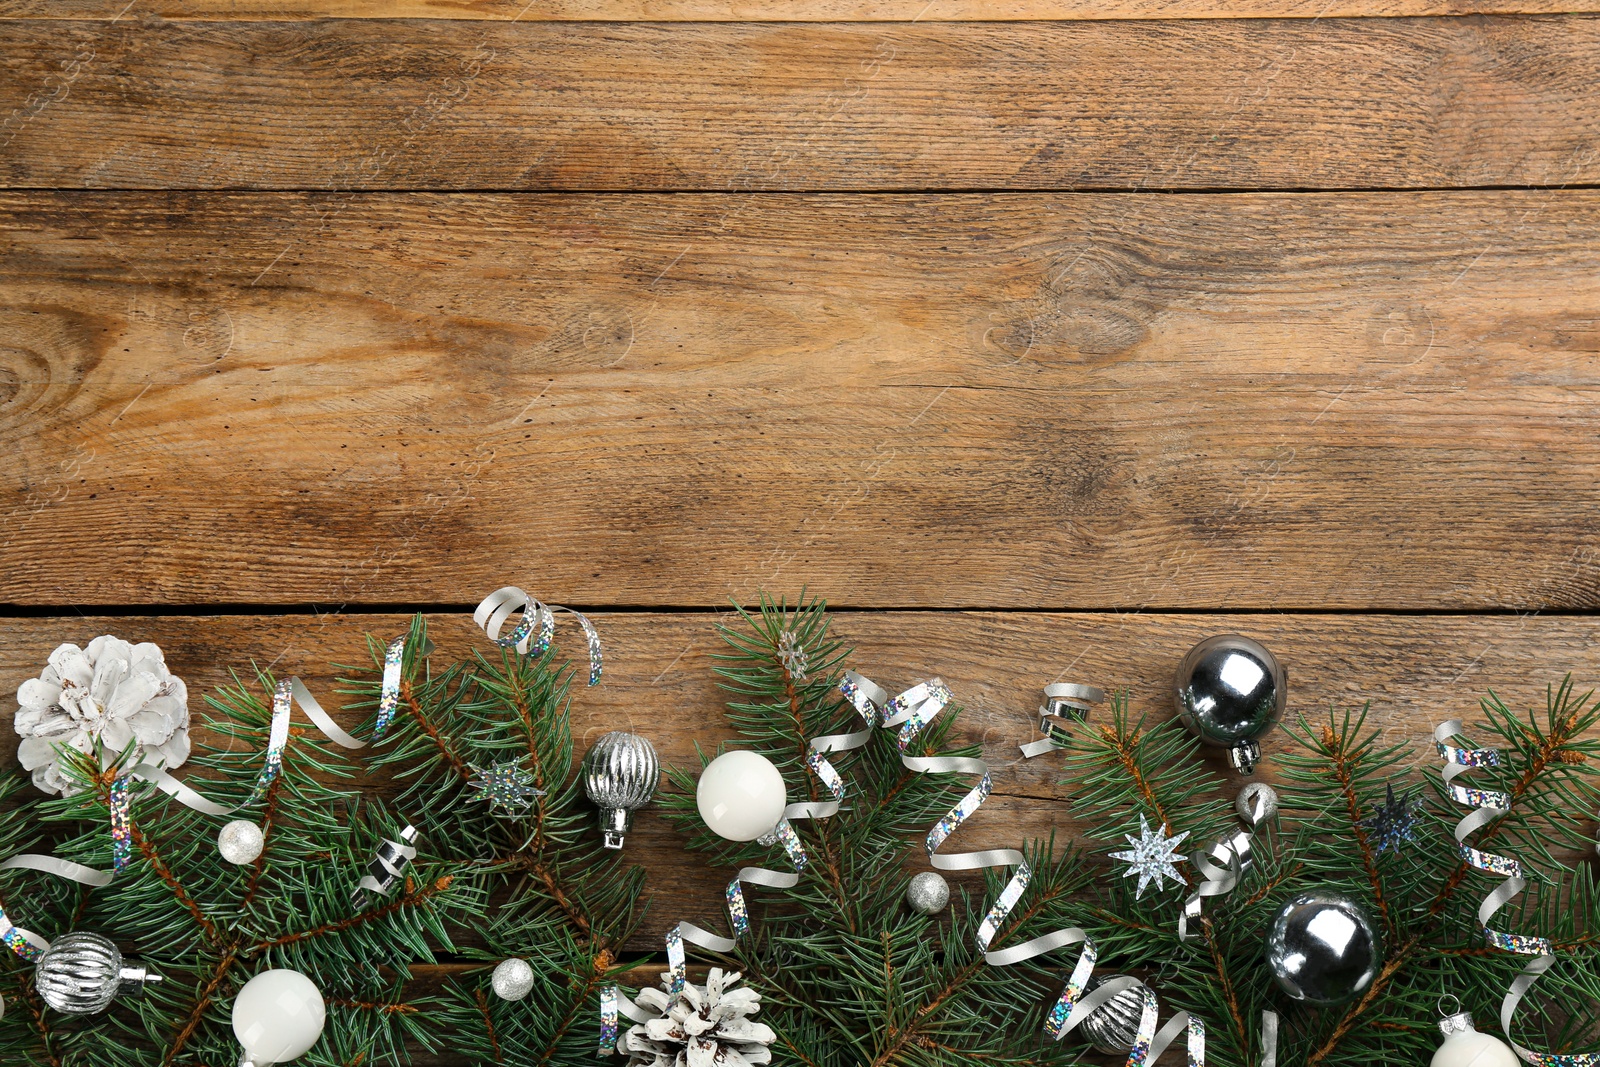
(1152, 857)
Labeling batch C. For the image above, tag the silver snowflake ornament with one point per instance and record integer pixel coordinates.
(1152, 857)
(506, 787)
(1395, 822)
(793, 655)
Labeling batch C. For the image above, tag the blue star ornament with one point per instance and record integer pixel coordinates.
(1394, 822)
(1153, 857)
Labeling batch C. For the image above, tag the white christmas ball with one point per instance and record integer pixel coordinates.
(1472, 1049)
(512, 979)
(278, 1016)
(741, 795)
(240, 841)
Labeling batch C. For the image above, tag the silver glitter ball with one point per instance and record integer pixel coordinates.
(1324, 949)
(620, 774)
(1246, 801)
(240, 842)
(82, 973)
(512, 979)
(1114, 1026)
(1229, 690)
(928, 893)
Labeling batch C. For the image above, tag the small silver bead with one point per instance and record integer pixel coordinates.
(1248, 797)
(512, 979)
(240, 842)
(928, 893)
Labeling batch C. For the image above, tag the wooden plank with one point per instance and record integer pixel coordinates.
(1267, 401)
(1239, 104)
(772, 10)
(1415, 671)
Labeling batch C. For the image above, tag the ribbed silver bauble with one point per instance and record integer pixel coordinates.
(1114, 1025)
(1324, 949)
(620, 774)
(81, 974)
(1229, 691)
(928, 893)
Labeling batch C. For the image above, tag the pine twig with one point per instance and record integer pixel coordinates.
(415, 708)
(201, 1003)
(1343, 775)
(488, 1025)
(1125, 754)
(355, 920)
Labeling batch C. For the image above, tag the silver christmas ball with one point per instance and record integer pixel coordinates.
(1113, 1026)
(1324, 949)
(620, 774)
(928, 893)
(82, 973)
(1246, 801)
(1229, 690)
(240, 842)
(512, 979)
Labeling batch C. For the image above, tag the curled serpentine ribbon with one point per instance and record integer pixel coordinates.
(866, 698)
(533, 632)
(1489, 805)
(288, 692)
(913, 710)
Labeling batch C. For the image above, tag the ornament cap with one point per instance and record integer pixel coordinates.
(615, 824)
(133, 978)
(1244, 756)
(1459, 1023)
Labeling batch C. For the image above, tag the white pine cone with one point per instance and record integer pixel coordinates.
(112, 691)
(709, 1027)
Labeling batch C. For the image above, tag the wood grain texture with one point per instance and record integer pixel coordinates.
(1415, 671)
(1377, 401)
(771, 10)
(1237, 104)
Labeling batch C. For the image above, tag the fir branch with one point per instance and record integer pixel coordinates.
(361, 919)
(201, 1003)
(268, 810)
(1343, 775)
(409, 696)
(150, 853)
(36, 1011)
(1229, 994)
(488, 1024)
(381, 1007)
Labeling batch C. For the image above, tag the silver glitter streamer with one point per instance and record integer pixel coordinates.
(532, 635)
(1488, 806)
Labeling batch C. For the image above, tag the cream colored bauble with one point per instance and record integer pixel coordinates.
(1464, 1046)
(741, 795)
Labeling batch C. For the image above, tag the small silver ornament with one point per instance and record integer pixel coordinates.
(620, 774)
(1114, 1026)
(512, 979)
(82, 973)
(1252, 794)
(240, 842)
(1229, 690)
(928, 893)
(1324, 949)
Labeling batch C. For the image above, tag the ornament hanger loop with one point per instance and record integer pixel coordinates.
(1445, 1013)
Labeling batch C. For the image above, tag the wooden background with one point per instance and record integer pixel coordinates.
(1040, 346)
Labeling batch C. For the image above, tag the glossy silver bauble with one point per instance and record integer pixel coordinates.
(620, 774)
(1114, 1026)
(1229, 690)
(1324, 949)
(82, 973)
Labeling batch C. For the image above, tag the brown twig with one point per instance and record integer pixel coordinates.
(390, 908)
(268, 810)
(830, 858)
(159, 865)
(201, 1003)
(1343, 775)
(36, 1009)
(382, 1007)
(1227, 984)
(409, 696)
(488, 1025)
